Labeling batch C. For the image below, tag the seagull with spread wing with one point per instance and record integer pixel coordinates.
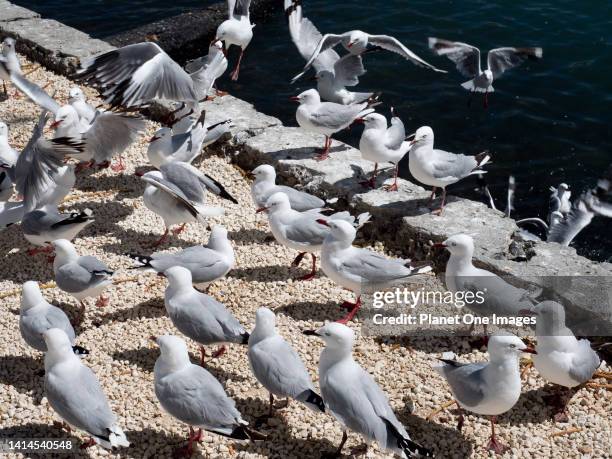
(467, 59)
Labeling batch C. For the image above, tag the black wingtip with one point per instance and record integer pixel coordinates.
(410, 448)
(243, 432)
(144, 260)
(78, 350)
(315, 399)
(245, 338)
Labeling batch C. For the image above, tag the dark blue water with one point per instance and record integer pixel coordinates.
(548, 121)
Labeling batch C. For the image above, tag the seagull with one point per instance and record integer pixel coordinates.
(381, 144)
(278, 367)
(108, 135)
(265, 186)
(300, 230)
(237, 30)
(333, 72)
(75, 394)
(357, 42)
(136, 75)
(192, 395)
(439, 168)
(205, 70)
(199, 316)
(78, 101)
(36, 316)
(80, 276)
(467, 59)
(207, 263)
(487, 388)
(560, 199)
(166, 146)
(561, 358)
(359, 270)
(499, 297)
(327, 118)
(10, 60)
(177, 193)
(45, 224)
(355, 400)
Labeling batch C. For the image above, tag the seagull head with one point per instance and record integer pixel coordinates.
(163, 133)
(550, 317)
(173, 353)
(339, 230)
(30, 295)
(357, 38)
(324, 76)
(265, 322)
(503, 345)
(64, 250)
(178, 277)
(373, 121)
(311, 96)
(459, 245)
(76, 93)
(275, 203)
(264, 173)
(8, 44)
(65, 116)
(58, 343)
(335, 335)
(423, 136)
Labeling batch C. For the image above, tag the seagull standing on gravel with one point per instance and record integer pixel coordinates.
(561, 358)
(75, 394)
(237, 30)
(166, 146)
(380, 144)
(36, 316)
(487, 388)
(499, 297)
(327, 118)
(265, 186)
(300, 230)
(333, 73)
(355, 400)
(359, 270)
(439, 168)
(356, 42)
(199, 316)
(192, 395)
(137, 75)
(78, 101)
(80, 276)
(467, 59)
(278, 367)
(207, 263)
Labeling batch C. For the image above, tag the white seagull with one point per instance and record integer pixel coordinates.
(467, 59)
(237, 30)
(359, 270)
(75, 394)
(205, 70)
(355, 400)
(327, 118)
(439, 168)
(487, 388)
(78, 101)
(382, 144)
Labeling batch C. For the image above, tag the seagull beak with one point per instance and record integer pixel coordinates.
(529, 350)
(294, 98)
(350, 45)
(55, 124)
(261, 209)
(440, 245)
(528, 313)
(359, 121)
(161, 274)
(250, 175)
(310, 333)
(320, 221)
(153, 338)
(153, 139)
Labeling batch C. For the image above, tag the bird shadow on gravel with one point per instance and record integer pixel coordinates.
(250, 237)
(130, 241)
(302, 152)
(43, 431)
(23, 373)
(144, 357)
(429, 433)
(455, 344)
(127, 185)
(106, 215)
(532, 407)
(151, 308)
(312, 311)
(276, 273)
(154, 440)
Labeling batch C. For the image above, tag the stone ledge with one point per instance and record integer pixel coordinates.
(10, 12)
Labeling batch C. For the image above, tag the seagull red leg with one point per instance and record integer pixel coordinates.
(393, 187)
(236, 71)
(219, 352)
(371, 183)
(298, 259)
(353, 312)
(179, 230)
(325, 153)
(313, 272)
(162, 239)
(494, 444)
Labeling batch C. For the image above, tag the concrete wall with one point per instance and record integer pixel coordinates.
(401, 219)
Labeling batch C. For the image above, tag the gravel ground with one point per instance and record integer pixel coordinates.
(123, 358)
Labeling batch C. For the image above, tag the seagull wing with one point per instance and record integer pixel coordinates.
(173, 191)
(396, 134)
(348, 69)
(502, 59)
(394, 45)
(326, 42)
(111, 133)
(34, 92)
(466, 57)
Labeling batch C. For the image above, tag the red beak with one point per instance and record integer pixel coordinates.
(350, 45)
(153, 338)
(261, 209)
(294, 98)
(322, 222)
(55, 124)
(529, 350)
(359, 120)
(153, 139)
(439, 245)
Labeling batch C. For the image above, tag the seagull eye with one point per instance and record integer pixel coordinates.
(513, 346)
(454, 244)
